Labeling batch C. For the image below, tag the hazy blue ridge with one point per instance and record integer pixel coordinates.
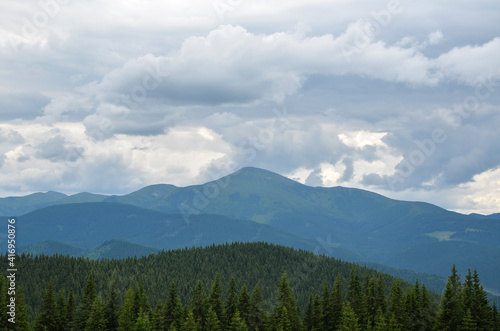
(352, 223)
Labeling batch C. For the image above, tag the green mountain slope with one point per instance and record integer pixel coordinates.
(415, 235)
(15, 206)
(86, 225)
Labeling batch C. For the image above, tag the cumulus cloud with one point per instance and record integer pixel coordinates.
(435, 37)
(109, 97)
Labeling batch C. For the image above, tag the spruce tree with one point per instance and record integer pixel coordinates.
(127, 318)
(380, 322)
(396, 305)
(308, 318)
(179, 316)
(354, 293)
(170, 305)
(369, 303)
(336, 302)
(283, 322)
(256, 317)
(285, 299)
(231, 302)
(89, 295)
(451, 310)
(70, 309)
(481, 310)
(190, 323)
(61, 311)
(468, 322)
(212, 323)
(379, 294)
(111, 308)
(3, 306)
(141, 300)
(22, 320)
(317, 316)
(413, 304)
(142, 323)
(215, 299)
(158, 319)
(428, 308)
(349, 321)
(97, 320)
(244, 303)
(495, 320)
(237, 324)
(47, 320)
(326, 307)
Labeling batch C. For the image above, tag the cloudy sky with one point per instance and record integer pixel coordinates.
(398, 97)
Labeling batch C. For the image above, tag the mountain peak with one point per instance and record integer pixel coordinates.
(261, 175)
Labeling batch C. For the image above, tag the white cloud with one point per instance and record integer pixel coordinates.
(471, 64)
(163, 91)
(435, 37)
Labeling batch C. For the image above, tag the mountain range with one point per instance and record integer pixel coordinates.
(258, 205)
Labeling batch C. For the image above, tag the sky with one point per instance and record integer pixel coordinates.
(398, 97)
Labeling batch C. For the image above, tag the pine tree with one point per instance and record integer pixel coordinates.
(380, 323)
(215, 299)
(127, 318)
(169, 314)
(392, 324)
(308, 318)
(61, 312)
(369, 303)
(231, 302)
(142, 323)
(97, 320)
(3, 306)
(141, 300)
(354, 293)
(481, 310)
(379, 293)
(468, 292)
(237, 324)
(349, 321)
(111, 308)
(244, 303)
(326, 307)
(190, 324)
(451, 312)
(285, 299)
(413, 304)
(469, 323)
(70, 309)
(158, 320)
(212, 323)
(495, 320)
(317, 316)
(256, 317)
(89, 295)
(336, 302)
(396, 305)
(47, 320)
(428, 309)
(22, 323)
(179, 316)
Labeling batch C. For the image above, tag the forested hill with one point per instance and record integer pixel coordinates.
(225, 287)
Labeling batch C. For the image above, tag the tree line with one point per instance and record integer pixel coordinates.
(462, 307)
(360, 300)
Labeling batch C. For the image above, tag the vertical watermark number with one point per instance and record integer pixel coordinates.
(11, 270)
